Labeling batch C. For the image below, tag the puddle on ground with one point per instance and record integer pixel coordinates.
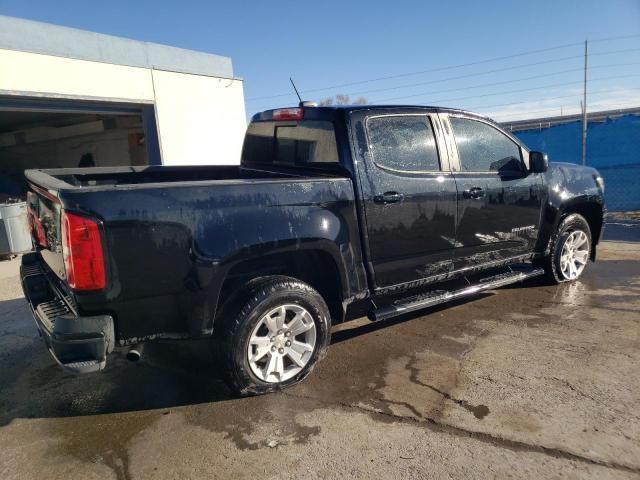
(479, 411)
(255, 422)
(101, 438)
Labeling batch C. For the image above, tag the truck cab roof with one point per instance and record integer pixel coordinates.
(329, 112)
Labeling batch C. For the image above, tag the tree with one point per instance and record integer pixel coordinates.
(341, 99)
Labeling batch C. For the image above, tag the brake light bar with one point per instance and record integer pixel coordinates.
(82, 252)
(288, 114)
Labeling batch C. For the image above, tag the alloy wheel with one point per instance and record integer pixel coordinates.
(574, 255)
(282, 343)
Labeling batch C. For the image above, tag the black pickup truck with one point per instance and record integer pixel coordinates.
(333, 213)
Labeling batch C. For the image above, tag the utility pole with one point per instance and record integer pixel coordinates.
(584, 107)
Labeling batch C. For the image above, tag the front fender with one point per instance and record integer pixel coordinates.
(570, 189)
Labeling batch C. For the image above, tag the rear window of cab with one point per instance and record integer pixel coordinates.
(298, 143)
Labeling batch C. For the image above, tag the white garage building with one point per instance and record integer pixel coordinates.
(73, 98)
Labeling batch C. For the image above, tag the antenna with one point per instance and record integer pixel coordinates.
(296, 90)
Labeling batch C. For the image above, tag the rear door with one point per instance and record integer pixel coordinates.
(408, 195)
(499, 200)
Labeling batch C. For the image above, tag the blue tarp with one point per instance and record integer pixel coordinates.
(613, 147)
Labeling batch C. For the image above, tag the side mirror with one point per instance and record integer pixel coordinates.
(538, 162)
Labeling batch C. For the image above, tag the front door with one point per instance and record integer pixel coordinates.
(499, 200)
(408, 195)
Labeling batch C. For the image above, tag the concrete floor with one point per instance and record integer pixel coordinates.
(531, 381)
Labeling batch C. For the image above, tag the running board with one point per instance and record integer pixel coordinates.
(418, 302)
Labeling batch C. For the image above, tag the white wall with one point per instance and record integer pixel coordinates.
(201, 119)
(48, 76)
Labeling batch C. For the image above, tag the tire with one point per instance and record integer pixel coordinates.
(572, 228)
(246, 334)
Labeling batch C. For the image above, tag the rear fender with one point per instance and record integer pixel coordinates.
(334, 270)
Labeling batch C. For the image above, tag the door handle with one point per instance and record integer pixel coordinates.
(388, 197)
(475, 192)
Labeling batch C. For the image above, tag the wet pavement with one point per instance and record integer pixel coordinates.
(531, 381)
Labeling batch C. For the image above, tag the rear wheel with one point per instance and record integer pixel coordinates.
(570, 250)
(275, 330)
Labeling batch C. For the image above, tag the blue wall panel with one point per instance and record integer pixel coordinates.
(613, 147)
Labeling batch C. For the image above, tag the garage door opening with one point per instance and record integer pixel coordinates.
(55, 134)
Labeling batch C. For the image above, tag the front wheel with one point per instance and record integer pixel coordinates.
(570, 250)
(274, 331)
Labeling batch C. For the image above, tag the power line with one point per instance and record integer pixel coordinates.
(607, 106)
(522, 79)
(486, 72)
(597, 92)
(468, 75)
(512, 91)
(438, 69)
(609, 52)
(609, 39)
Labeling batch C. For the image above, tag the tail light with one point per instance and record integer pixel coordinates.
(82, 251)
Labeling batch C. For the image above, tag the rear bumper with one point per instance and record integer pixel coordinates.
(78, 344)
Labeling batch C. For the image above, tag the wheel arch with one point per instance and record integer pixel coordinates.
(317, 267)
(593, 213)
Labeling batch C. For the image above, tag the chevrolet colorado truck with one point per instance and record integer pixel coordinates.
(333, 213)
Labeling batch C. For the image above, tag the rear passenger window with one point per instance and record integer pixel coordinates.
(482, 148)
(403, 143)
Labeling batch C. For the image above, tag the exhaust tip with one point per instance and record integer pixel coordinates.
(135, 353)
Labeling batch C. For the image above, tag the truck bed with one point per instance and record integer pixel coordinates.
(171, 234)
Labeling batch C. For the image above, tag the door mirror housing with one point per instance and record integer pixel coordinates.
(538, 162)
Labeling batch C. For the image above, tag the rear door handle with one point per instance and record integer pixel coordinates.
(475, 192)
(388, 197)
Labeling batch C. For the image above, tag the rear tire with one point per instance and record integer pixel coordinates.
(569, 251)
(274, 331)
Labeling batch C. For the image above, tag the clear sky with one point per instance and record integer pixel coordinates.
(338, 47)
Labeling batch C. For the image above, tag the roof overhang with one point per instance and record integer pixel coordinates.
(44, 38)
